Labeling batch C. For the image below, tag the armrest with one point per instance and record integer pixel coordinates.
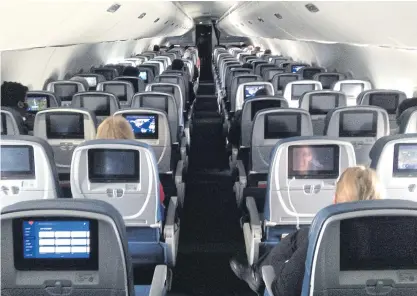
(268, 275)
(171, 215)
(241, 172)
(183, 148)
(159, 281)
(172, 231)
(179, 171)
(255, 220)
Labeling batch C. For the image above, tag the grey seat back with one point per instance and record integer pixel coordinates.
(360, 125)
(101, 104)
(108, 72)
(408, 121)
(356, 244)
(226, 67)
(386, 99)
(175, 91)
(233, 73)
(253, 106)
(295, 67)
(248, 91)
(294, 90)
(65, 89)
(269, 127)
(11, 122)
(151, 126)
(319, 103)
(259, 70)
(64, 129)
(123, 173)
(95, 262)
(328, 80)
(178, 80)
(304, 169)
(27, 170)
(160, 101)
(238, 80)
(138, 84)
(269, 73)
(309, 72)
(394, 159)
(352, 89)
(280, 81)
(123, 90)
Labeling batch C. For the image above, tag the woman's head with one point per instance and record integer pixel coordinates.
(302, 159)
(358, 183)
(115, 127)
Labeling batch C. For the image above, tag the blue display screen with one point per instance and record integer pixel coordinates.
(251, 90)
(56, 239)
(295, 69)
(35, 104)
(143, 75)
(143, 125)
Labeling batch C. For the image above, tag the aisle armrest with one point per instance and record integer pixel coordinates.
(252, 231)
(160, 280)
(241, 183)
(172, 231)
(179, 172)
(268, 275)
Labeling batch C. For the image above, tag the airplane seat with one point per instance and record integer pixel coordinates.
(386, 99)
(64, 129)
(177, 80)
(319, 103)
(65, 89)
(137, 82)
(94, 262)
(82, 80)
(123, 90)
(269, 73)
(37, 101)
(269, 126)
(278, 60)
(124, 173)
(11, 122)
(280, 81)
(226, 72)
(352, 89)
(175, 91)
(394, 158)
(109, 72)
(158, 135)
(359, 125)
(101, 104)
(408, 120)
(357, 245)
(308, 73)
(247, 90)
(150, 70)
(236, 82)
(328, 79)
(27, 170)
(302, 180)
(234, 72)
(294, 90)
(259, 70)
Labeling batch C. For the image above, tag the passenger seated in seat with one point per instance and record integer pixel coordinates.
(267, 51)
(179, 66)
(13, 95)
(116, 127)
(156, 48)
(131, 71)
(406, 104)
(288, 257)
(187, 56)
(235, 127)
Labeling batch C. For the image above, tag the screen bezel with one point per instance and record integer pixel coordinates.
(389, 111)
(95, 178)
(346, 134)
(51, 135)
(63, 98)
(21, 175)
(97, 112)
(273, 136)
(40, 96)
(313, 111)
(25, 264)
(121, 98)
(154, 136)
(294, 97)
(261, 86)
(402, 173)
(3, 118)
(333, 174)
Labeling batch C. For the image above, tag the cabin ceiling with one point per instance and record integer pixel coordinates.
(212, 9)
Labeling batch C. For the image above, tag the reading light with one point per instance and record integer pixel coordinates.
(113, 8)
(200, 23)
(142, 15)
(312, 8)
(278, 16)
(155, 21)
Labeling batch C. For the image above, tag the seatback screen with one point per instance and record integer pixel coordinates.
(257, 106)
(97, 104)
(91, 80)
(250, 90)
(144, 76)
(327, 81)
(172, 80)
(296, 68)
(155, 102)
(358, 124)
(387, 101)
(65, 91)
(309, 73)
(3, 123)
(352, 89)
(284, 125)
(55, 243)
(119, 90)
(272, 73)
(107, 73)
(405, 160)
(133, 81)
(284, 80)
(321, 104)
(313, 162)
(144, 126)
(36, 103)
(17, 162)
(375, 243)
(299, 89)
(65, 126)
(113, 166)
(164, 89)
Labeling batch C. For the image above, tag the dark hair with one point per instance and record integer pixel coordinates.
(406, 104)
(177, 64)
(267, 51)
(156, 48)
(247, 66)
(261, 92)
(12, 93)
(131, 71)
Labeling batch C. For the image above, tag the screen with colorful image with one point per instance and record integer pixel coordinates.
(35, 104)
(144, 126)
(144, 76)
(250, 90)
(91, 80)
(296, 68)
(405, 160)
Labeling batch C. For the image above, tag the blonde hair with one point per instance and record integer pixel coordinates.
(358, 183)
(115, 127)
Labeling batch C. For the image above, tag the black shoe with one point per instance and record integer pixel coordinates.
(246, 273)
